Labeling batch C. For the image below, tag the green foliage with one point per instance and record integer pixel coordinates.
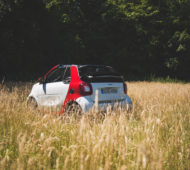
(139, 37)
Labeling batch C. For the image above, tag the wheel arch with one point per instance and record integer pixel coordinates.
(29, 101)
(72, 102)
(29, 98)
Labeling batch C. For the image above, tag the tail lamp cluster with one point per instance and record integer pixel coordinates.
(85, 89)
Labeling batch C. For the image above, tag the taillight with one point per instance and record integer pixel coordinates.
(85, 89)
(125, 87)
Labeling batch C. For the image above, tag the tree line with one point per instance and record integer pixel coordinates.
(137, 37)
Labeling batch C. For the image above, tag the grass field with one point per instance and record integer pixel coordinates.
(155, 135)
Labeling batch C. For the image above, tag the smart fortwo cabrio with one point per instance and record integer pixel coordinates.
(80, 86)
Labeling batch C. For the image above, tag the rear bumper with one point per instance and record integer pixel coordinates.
(88, 105)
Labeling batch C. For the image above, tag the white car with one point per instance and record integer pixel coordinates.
(80, 86)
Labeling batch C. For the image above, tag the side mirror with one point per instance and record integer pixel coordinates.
(41, 80)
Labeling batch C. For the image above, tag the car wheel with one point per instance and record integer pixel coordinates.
(73, 109)
(31, 103)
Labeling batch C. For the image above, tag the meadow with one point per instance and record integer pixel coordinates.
(154, 135)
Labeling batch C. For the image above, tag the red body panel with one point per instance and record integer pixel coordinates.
(74, 84)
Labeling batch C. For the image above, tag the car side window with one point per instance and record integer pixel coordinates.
(56, 75)
(67, 75)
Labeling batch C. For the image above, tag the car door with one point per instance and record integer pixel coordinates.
(55, 88)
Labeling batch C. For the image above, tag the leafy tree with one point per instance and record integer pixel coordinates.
(139, 37)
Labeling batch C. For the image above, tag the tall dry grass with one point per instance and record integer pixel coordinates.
(155, 135)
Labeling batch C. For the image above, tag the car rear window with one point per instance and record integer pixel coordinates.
(90, 73)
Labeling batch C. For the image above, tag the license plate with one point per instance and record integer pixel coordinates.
(108, 90)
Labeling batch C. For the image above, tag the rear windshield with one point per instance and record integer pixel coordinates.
(99, 74)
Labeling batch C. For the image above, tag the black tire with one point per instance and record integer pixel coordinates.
(73, 109)
(32, 104)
